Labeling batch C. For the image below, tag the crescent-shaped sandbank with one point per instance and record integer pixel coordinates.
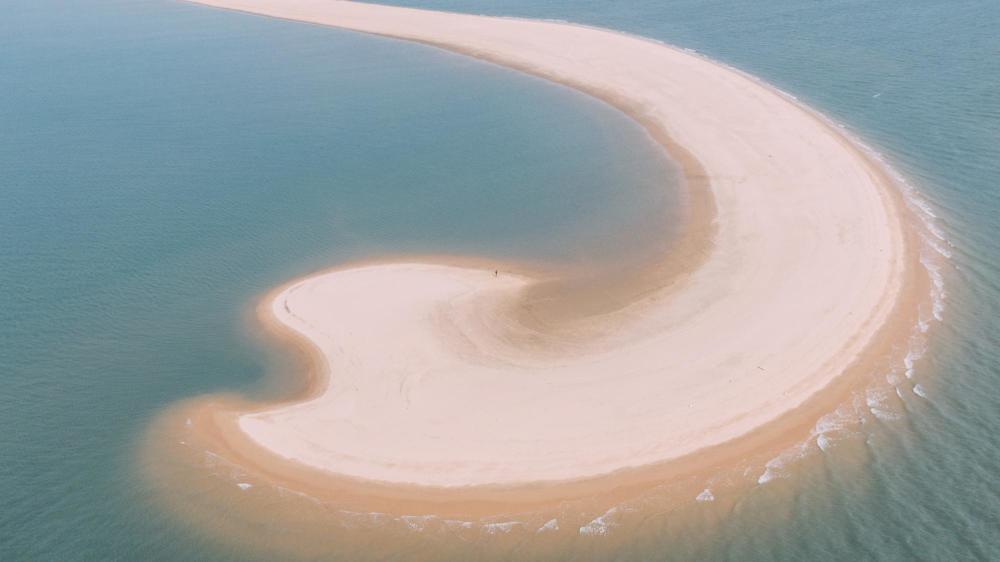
(795, 269)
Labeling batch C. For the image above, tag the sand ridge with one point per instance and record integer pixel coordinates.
(429, 377)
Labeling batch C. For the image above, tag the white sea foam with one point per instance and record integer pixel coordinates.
(875, 397)
(937, 245)
(550, 526)
(775, 468)
(768, 475)
(930, 224)
(244, 485)
(600, 525)
(934, 270)
(282, 491)
(938, 294)
(877, 400)
(787, 95)
(497, 528)
(919, 391)
(834, 421)
(938, 310)
(920, 202)
(915, 352)
(831, 425)
(416, 522)
(706, 496)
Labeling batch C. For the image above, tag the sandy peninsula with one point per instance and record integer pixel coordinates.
(455, 375)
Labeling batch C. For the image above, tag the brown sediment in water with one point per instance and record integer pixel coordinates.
(550, 318)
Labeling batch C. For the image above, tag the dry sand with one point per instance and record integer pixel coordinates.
(447, 375)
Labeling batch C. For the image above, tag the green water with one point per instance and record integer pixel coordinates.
(161, 164)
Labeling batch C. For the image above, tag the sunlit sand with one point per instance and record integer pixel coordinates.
(446, 374)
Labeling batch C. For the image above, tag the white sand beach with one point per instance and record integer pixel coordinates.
(447, 375)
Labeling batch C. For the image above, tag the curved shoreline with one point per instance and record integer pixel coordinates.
(223, 425)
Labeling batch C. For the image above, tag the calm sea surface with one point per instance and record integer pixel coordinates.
(161, 164)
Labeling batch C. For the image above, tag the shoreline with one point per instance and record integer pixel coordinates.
(219, 423)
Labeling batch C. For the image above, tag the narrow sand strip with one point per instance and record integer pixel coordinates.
(442, 375)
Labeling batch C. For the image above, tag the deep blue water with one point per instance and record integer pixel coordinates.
(161, 164)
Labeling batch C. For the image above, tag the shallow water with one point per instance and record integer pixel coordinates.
(165, 163)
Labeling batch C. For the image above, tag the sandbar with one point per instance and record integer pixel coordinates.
(458, 375)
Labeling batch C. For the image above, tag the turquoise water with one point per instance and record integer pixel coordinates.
(162, 164)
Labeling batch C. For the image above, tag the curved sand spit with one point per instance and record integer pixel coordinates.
(441, 375)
